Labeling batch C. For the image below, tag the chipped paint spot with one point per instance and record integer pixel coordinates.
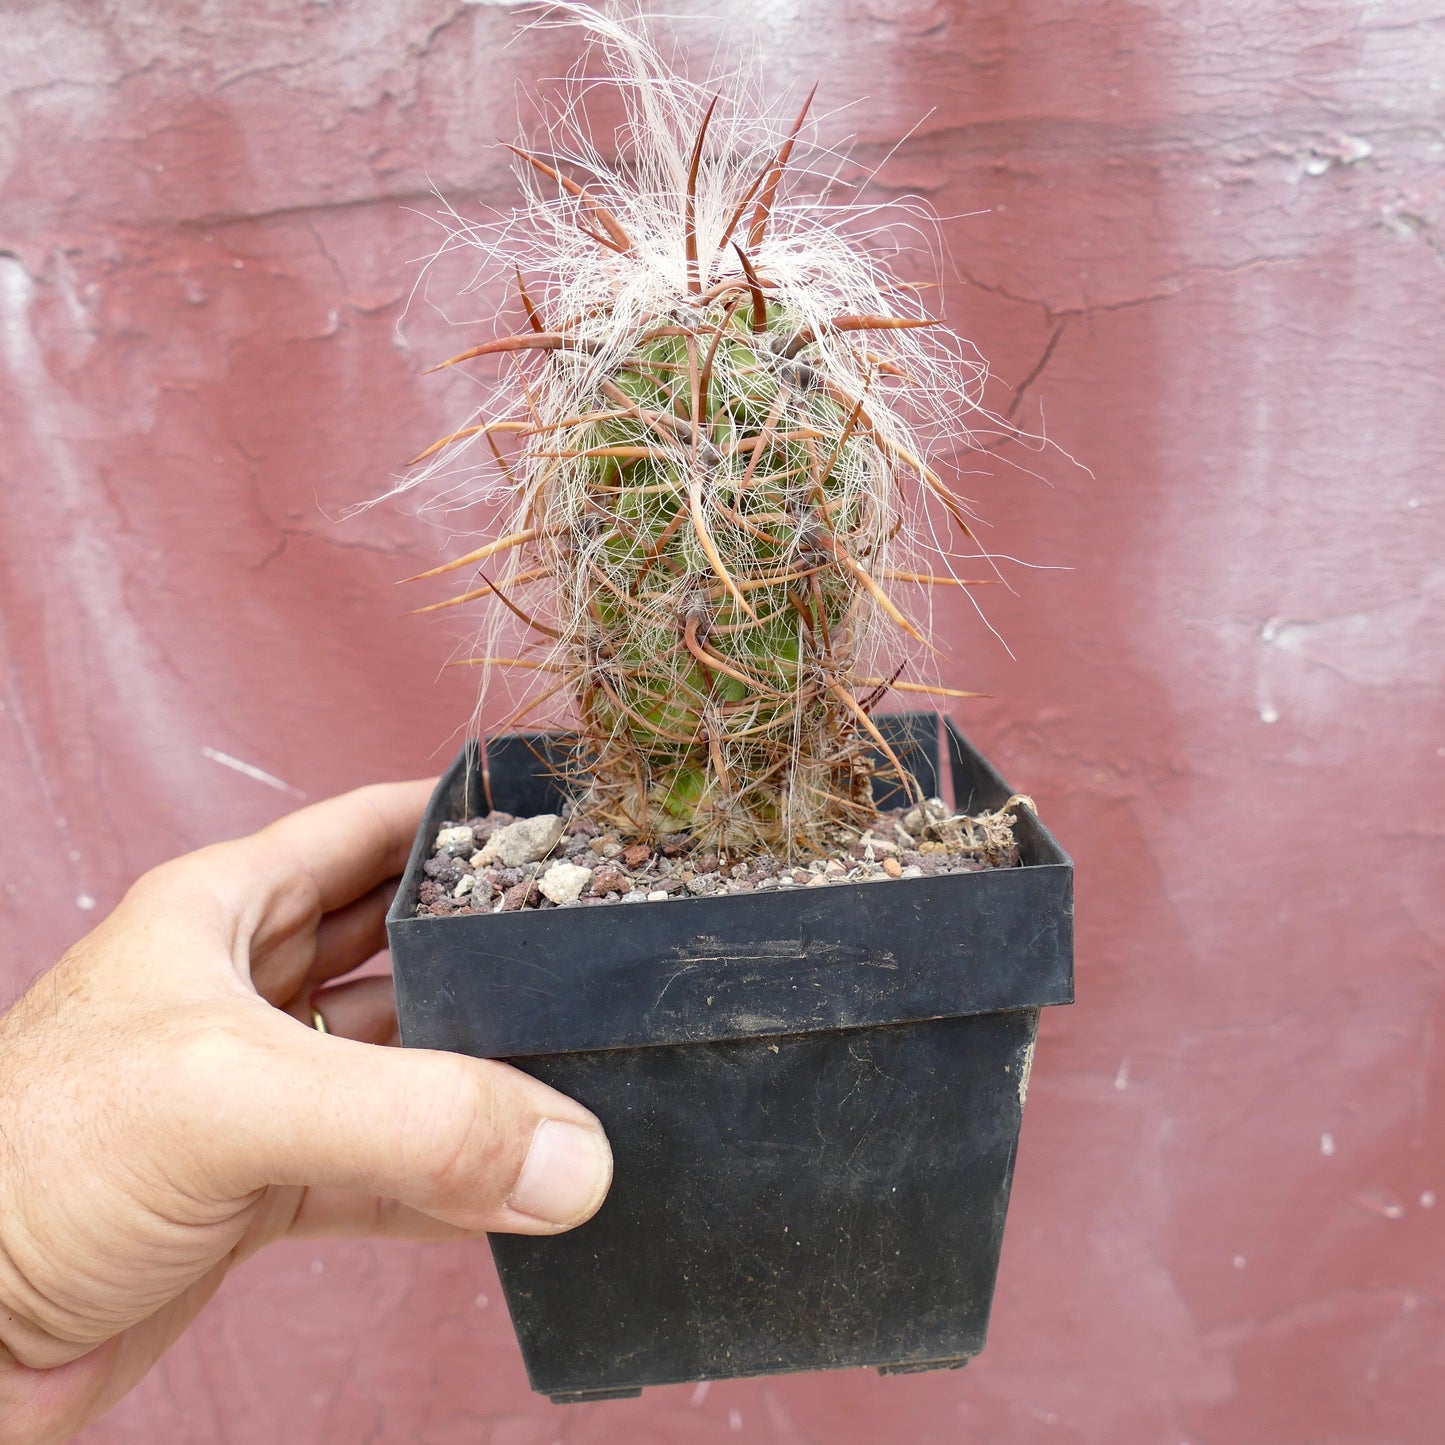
(1327, 1145)
(1379, 1201)
(251, 771)
(1268, 712)
(1121, 1079)
(1387, 646)
(1324, 155)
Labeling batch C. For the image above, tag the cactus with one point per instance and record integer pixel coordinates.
(714, 473)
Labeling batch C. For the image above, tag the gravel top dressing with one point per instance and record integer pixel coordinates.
(499, 864)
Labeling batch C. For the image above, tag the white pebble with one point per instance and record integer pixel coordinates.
(528, 840)
(819, 880)
(453, 840)
(658, 895)
(917, 820)
(912, 871)
(563, 882)
(636, 896)
(465, 884)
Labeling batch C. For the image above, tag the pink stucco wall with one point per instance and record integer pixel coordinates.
(1210, 237)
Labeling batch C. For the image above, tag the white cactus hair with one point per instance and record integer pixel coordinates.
(689, 206)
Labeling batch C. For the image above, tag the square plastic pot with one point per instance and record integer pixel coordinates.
(813, 1095)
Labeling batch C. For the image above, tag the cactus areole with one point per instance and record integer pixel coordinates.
(704, 434)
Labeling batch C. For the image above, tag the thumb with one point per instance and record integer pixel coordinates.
(471, 1142)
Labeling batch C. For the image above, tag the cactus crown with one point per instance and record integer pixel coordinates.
(714, 468)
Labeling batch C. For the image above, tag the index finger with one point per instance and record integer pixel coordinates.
(323, 857)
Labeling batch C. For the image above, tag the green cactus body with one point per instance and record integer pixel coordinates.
(695, 539)
(708, 472)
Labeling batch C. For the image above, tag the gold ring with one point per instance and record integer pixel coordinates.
(317, 1022)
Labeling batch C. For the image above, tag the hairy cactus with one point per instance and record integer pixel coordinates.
(711, 465)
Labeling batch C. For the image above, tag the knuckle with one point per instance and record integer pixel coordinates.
(466, 1142)
(175, 875)
(249, 1101)
(203, 1077)
(210, 1053)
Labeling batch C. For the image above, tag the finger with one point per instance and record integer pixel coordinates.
(46, 1404)
(341, 941)
(470, 1142)
(267, 894)
(280, 881)
(363, 1009)
(350, 936)
(348, 844)
(343, 1213)
(318, 1213)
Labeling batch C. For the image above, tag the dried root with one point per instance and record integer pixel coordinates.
(989, 837)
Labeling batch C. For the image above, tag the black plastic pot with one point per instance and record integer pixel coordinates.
(813, 1095)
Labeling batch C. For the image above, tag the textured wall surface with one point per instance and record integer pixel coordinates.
(1203, 244)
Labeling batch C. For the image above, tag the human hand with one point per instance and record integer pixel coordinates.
(166, 1107)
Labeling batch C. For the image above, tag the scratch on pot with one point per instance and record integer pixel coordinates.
(757, 1023)
(686, 969)
(251, 771)
(1026, 1065)
(512, 966)
(707, 948)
